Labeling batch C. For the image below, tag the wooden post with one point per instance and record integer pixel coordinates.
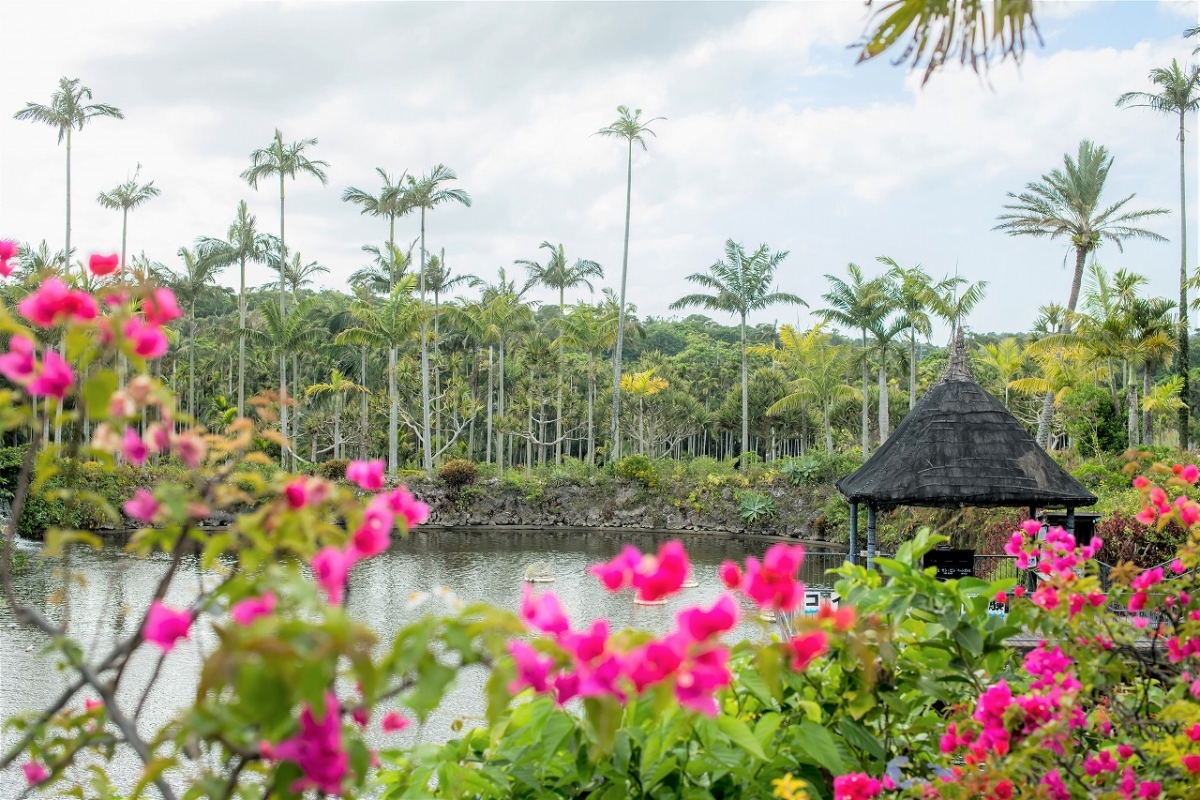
(854, 533)
(870, 536)
(1071, 521)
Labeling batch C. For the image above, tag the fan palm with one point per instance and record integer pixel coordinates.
(1179, 93)
(338, 386)
(285, 161)
(630, 127)
(127, 197)
(68, 111)
(191, 283)
(428, 193)
(859, 304)
(243, 243)
(558, 273)
(741, 284)
(1066, 203)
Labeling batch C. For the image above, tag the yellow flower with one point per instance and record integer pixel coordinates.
(789, 788)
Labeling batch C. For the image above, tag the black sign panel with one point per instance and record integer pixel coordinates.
(951, 564)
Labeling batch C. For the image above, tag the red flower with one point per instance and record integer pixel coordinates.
(166, 625)
(700, 625)
(160, 307)
(731, 574)
(53, 302)
(104, 265)
(807, 647)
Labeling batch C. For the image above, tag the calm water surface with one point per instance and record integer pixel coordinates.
(476, 565)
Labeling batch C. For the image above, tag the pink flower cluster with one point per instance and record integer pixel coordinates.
(855, 786)
(165, 625)
(651, 577)
(8, 251)
(332, 565)
(316, 750)
(1158, 506)
(50, 377)
(52, 302)
(690, 658)
(772, 583)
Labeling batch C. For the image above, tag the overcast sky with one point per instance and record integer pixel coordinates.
(772, 134)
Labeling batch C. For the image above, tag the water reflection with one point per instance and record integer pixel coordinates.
(477, 565)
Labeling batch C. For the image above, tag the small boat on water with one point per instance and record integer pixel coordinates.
(539, 572)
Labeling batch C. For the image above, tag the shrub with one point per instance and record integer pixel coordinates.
(458, 472)
(333, 470)
(755, 507)
(637, 468)
(801, 470)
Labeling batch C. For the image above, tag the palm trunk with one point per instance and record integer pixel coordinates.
(615, 448)
(591, 436)
(866, 416)
(393, 414)
(241, 396)
(283, 410)
(124, 230)
(296, 411)
(1076, 282)
(745, 398)
(828, 431)
(66, 270)
(192, 361)
(884, 412)
(362, 450)
(426, 444)
(558, 435)
(912, 369)
(490, 404)
(337, 426)
(500, 411)
(1185, 392)
(1132, 415)
(1044, 418)
(1146, 431)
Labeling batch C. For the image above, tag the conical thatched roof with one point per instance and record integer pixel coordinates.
(958, 447)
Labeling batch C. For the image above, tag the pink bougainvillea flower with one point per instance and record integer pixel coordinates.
(8, 251)
(148, 341)
(772, 583)
(1146, 516)
(856, 786)
(1193, 732)
(1148, 790)
(661, 575)
(34, 772)
(133, 448)
(403, 505)
(602, 678)
(699, 679)
(166, 625)
(730, 574)
(700, 625)
(1190, 473)
(361, 716)
(296, 492)
(1031, 527)
(91, 705)
(533, 669)
(18, 363)
(160, 307)
(53, 379)
(651, 663)
(1191, 762)
(544, 613)
(246, 611)
(367, 474)
(394, 722)
(158, 437)
(1124, 751)
(316, 750)
(53, 302)
(375, 533)
(589, 646)
(142, 506)
(842, 616)
(190, 448)
(331, 566)
(1141, 482)
(104, 265)
(615, 575)
(806, 647)
(566, 686)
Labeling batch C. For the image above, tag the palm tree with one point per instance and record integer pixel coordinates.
(438, 280)
(628, 126)
(1151, 326)
(642, 385)
(287, 333)
(1179, 93)
(741, 284)
(285, 161)
(587, 328)
(821, 369)
(427, 194)
(296, 274)
(558, 274)
(1066, 202)
(387, 266)
(126, 197)
(503, 313)
(338, 386)
(858, 304)
(885, 332)
(190, 284)
(1163, 398)
(1006, 359)
(243, 243)
(916, 296)
(391, 202)
(68, 111)
(385, 327)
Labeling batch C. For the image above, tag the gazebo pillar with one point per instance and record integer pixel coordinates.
(870, 535)
(1071, 520)
(854, 533)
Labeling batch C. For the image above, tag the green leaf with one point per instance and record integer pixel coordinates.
(861, 738)
(969, 638)
(740, 734)
(98, 391)
(817, 744)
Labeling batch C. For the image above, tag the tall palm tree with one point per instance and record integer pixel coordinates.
(916, 295)
(191, 283)
(287, 332)
(1179, 93)
(296, 274)
(741, 284)
(242, 243)
(439, 279)
(642, 385)
(1066, 203)
(1151, 323)
(428, 193)
(285, 161)
(338, 386)
(386, 326)
(387, 266)
(859, 305)
(68, 111)
(820, 368)
(558, 273)
(886, 331)
(127, 197)
(630, 127)
(1006, 358)
(503, 313)
(589, 329)
(390, 203)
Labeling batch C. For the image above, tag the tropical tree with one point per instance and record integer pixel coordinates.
(190, 283)
(1163, 398)
(820, 368)
(740, 284)
(1179, 93)
(558, 273)
(502, 314)
(127, 197)
(242, 243)
(858, 304)
(283, 161)
(68, 111)
(630, 127)
(296, 274)
(388, 265)
(886, 330)
(589, 329)
(391, 202)
(1152, 326)
(1066, 203)
(1006, 359)
(642, 385)
(286, 333)
(338, 386)
(427, 193)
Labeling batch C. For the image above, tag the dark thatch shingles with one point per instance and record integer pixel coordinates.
(960, 447)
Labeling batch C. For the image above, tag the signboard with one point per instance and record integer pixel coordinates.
(813, 600)
(951, 564)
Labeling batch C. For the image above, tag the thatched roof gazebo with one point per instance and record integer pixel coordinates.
(958, 447)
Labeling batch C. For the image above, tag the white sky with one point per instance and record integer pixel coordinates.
(772, 134)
